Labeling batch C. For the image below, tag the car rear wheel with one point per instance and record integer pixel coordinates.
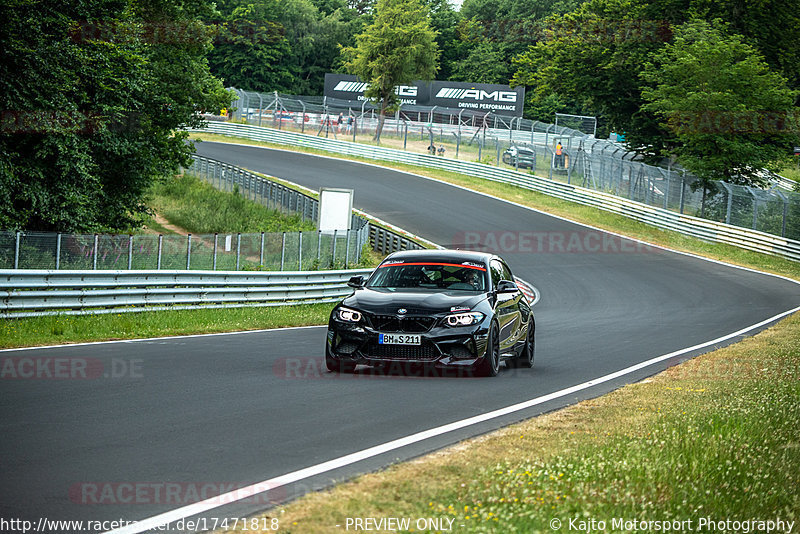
(337, 366)
(490, 365)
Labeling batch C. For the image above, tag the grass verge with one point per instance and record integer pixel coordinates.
(54, 330)
(198, 207)
(715, 438)
(562, 208)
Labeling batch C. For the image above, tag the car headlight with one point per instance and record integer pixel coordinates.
(464, 319)
(348, 316)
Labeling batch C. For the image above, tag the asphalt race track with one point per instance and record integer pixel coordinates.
(210, 413)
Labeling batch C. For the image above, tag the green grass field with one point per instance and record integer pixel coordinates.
(199, 208)
(716, 438)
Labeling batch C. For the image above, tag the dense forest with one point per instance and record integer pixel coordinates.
(94, 93)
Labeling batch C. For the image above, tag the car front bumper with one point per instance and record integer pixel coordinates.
(441, 346)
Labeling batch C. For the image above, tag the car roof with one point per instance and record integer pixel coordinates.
(445, 255)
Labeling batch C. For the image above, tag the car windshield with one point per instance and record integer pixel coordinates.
(439, 276)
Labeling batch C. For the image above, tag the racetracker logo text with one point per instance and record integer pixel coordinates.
(174, 493)
(588, 242)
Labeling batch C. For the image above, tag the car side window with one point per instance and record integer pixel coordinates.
(507, 272)
(497, 272)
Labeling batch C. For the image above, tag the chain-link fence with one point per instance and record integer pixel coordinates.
(558, 152)
(269, 251)
(290, 251)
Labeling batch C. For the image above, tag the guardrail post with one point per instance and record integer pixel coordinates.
(188, 251)
(96, 248)
(333, 252)
(214, 259)
(300, 251)
(160, 248)
(283, 248)
(238, 249)
(785, 214)
(16, 251)
(347, 248)
(261, 254)
(683, 190)
(130, 251)
(58, 251)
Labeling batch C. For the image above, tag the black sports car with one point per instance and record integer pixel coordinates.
(442, 308)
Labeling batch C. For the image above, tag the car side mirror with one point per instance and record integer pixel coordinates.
(507, 286)
(356, 282)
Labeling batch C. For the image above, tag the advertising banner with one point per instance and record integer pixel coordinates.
(495, 98)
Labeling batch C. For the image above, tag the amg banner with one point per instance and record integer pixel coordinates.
(500, 99)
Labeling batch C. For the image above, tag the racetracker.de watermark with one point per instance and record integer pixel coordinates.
(314, 368)
(56, 368)
(48, 122)
(715, 122)
(176, 32)
(596, 30)
(583, 242)
(175, 493)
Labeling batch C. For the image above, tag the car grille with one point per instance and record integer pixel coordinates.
(393, 323)
(424, 352)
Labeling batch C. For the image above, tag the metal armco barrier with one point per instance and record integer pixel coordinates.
(658, 217)
(28, 293)
(386, 241)
(224, 176)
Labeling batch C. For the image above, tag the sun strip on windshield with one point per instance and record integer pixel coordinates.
(466, 266)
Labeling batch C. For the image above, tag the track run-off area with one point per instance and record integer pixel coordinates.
(169, 424)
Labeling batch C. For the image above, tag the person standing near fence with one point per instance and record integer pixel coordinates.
(559, 163)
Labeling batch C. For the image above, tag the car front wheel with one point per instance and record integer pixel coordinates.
(490, 365)
(525, 359)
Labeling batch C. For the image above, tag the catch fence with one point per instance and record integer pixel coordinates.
(268, 251)
(563, 154)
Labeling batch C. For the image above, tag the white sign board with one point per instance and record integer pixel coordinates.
(335, 207)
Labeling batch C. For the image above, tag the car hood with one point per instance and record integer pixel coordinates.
(384, 301)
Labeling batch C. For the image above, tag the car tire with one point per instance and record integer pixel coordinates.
(525, 359)
(337, 366)
(490, 365)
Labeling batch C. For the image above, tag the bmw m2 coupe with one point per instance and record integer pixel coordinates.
(447, 309)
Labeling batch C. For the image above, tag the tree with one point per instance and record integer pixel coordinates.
(485, 63)
(731, 116)
(397, 48)
(446, 21)
(98, 91)
(251, 49)
(591, 56)
(282, 45)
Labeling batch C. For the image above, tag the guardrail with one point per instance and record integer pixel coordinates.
(28, 293)
(272, 194)
(225, 176)
(659, 217)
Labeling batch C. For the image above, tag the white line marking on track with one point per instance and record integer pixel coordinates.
(164, 338)
(295, 476)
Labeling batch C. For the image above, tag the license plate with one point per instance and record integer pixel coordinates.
(399, 339)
